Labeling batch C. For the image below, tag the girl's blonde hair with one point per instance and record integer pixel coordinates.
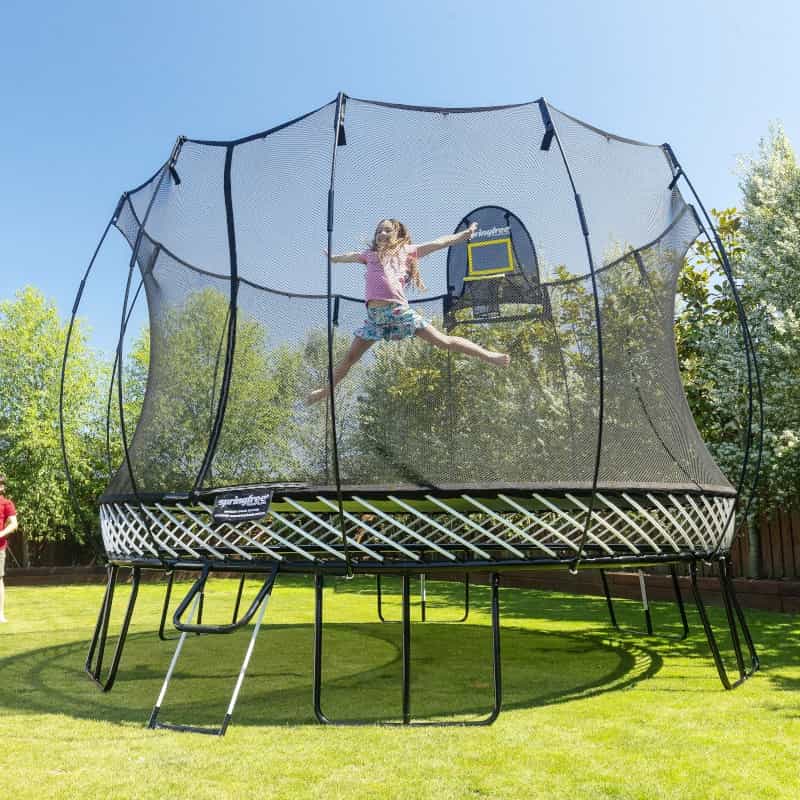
(400, 236)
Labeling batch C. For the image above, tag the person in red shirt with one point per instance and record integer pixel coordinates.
(8, 524)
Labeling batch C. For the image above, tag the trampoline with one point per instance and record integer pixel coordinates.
(581, 454)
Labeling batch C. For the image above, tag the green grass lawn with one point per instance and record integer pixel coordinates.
(588, 712)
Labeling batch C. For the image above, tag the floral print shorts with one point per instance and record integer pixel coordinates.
(391, 322)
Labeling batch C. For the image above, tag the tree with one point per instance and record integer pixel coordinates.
(710, 346)
(175, 373)
(770, 266)
(32, 341)
(763, 243)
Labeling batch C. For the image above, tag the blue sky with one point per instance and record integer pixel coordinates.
(94, 94)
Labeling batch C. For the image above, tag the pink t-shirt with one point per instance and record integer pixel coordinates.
(388, 280)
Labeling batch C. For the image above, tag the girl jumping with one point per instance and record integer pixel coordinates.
(392, 262)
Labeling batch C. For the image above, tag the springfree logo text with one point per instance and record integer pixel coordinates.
(244, 502)
(241, 506)
(487, 233)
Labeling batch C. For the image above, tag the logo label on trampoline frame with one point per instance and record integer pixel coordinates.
(244, 504)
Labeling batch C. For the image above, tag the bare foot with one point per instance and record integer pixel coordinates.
(499, 359)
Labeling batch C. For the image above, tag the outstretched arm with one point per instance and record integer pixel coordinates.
(346, 258)
(447, 241)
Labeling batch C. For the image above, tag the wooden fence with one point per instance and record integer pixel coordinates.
(779, 543)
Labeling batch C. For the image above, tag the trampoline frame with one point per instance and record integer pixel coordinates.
(403, 545)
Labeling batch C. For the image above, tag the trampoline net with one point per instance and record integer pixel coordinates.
(236, 285)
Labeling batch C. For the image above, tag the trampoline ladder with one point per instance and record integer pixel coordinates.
(406, 662)
(193, 601)
(94, 659)
(734, 615)
(165, 608)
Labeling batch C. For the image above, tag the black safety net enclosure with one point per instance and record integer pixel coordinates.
(236, 285)
(582, 450)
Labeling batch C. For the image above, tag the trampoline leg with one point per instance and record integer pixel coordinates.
(380, 597)
(466, 598)
(98, 643)
(496, 666)
(676, 587)
(165, 607)
(609, 601)
(648, 620)
(238, 598)
(317, 687)
(406, 660)
(423, 595)
(406, 649)
(200, 608)
(101, 626)
(731, 603)
(755, 663)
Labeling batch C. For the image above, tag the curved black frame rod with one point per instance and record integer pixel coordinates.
(99, 638)
(338, 139)
(93, 665)
(75, 307)
(166, 169)
(550, 135)
(110, 398)
(753, 372)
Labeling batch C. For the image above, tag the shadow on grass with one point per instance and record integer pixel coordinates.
(451, 674)
(451, 663)
(776, 636)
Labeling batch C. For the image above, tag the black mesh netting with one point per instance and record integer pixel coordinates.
(232, 262)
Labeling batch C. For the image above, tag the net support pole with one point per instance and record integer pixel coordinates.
(110, 398)
(551, 134)
(230, 351)
(338, 139)
(753, 372)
